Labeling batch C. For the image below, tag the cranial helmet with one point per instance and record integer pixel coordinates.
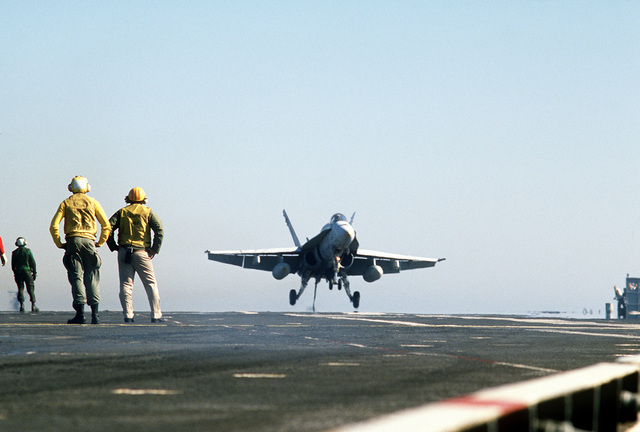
(136, 195)
(79, 184)
(21, 241)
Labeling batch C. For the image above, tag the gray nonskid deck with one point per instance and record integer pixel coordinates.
(274, 371)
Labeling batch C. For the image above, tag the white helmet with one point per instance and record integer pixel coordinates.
(21, 241)
(79, 184)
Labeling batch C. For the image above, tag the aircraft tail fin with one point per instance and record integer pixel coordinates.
(291, 230)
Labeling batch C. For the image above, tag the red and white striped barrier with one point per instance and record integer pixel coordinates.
(587, 399)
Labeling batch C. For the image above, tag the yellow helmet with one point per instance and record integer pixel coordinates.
(79, 184)
(136, 195)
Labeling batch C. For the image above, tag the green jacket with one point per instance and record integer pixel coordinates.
(22, 261)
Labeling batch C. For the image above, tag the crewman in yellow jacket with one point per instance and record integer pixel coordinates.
(81, 259)
(136, 250)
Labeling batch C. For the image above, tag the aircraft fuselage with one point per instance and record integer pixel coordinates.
(337, 241)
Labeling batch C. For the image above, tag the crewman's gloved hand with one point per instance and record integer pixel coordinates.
(3, 259)
(34, 275)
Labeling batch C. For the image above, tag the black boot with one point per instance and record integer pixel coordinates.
(34, 308)
(21, 307)
(95, 318)
(79, 318)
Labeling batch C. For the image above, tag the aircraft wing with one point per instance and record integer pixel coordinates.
(259, 259)
(390, 263)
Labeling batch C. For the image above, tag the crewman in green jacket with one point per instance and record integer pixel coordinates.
(81, 259)
(136, 250)
(24, 271)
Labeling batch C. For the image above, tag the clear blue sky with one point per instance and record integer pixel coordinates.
(503, 136)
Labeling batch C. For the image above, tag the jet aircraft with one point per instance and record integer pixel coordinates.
(333, 255)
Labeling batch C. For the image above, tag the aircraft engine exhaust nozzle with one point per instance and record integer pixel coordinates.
(373, 273)
(346, 260)
(281, 270)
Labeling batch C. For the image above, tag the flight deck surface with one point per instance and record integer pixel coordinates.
(274, 371)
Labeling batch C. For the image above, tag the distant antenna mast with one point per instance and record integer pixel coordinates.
(291, 230)
(352, 217)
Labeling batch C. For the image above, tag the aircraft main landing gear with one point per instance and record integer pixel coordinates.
(292, 297)
(356, 299)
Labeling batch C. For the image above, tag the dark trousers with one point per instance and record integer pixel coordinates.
(83, 270)
(23, 279)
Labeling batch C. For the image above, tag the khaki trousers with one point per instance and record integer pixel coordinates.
(140, 264)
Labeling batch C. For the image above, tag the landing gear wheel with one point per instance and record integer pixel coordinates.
(356, 299)
(339, 284)
(330, 285)
(292, 297)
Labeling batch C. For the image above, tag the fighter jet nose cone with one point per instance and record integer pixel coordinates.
(350, 232)
(345, 233)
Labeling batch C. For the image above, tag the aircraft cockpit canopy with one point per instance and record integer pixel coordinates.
(338, 217)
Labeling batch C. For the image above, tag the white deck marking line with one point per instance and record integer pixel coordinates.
(583, 333)
(556, 321)
(339, 364)
(495, 362)
(139, 392)
(259, 375)
(357, 345)
(531, 328)
(521, 366)
(411, 323)
(382, 321)
(414, 324)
